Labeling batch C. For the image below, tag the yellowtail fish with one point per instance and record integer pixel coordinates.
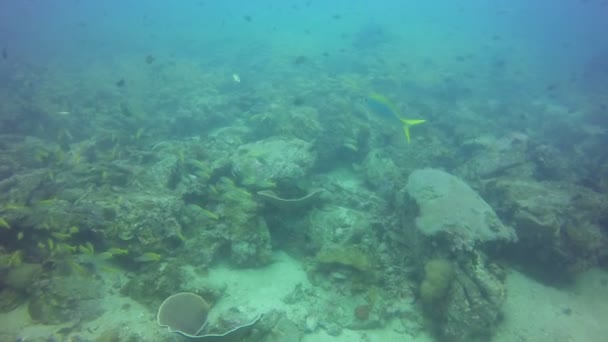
(385, 108)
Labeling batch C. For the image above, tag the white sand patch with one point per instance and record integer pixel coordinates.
(390, 333)
(121, 314)
(262, 289)
(535, 312)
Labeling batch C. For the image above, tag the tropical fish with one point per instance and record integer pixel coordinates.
(385, 108)
(148, 257)
(4, 223)
(117, 251)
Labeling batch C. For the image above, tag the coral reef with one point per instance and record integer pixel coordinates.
(472, 309)
(140, 175)
(438, 276)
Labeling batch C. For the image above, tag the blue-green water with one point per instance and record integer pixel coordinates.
(147, 145)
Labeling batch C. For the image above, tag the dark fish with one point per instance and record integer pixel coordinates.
(551, 87)
(336, 16)
(499, 63)
(125, 110)
(247, 18)
(300, 60)
(298, 101)
(4, 53)
(120, 82)
(325, 54)
(149, 59)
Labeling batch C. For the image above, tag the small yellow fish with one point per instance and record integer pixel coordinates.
(48, 201)
(4, 224)
(213, 190)
(12, 206)
(61, 236)
(117, 251)
(148, 257)
(87, 249)
(138, 134)
(105, 255)
(210, 214)
(64, 247)
(15, 258)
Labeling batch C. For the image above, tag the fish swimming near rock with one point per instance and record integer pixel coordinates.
(385, 108)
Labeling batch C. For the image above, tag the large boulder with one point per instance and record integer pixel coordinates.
(559, 224)
(453, 212)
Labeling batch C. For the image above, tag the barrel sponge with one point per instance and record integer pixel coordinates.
(185, 313)
(438, 275)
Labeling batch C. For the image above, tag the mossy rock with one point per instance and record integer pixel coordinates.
(22, 276)
(438, 275)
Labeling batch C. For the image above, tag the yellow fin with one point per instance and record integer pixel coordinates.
(407, 123)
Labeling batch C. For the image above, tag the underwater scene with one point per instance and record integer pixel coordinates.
(303, 170)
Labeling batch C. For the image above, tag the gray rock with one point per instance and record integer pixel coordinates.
(449, 208)
(274, 160)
